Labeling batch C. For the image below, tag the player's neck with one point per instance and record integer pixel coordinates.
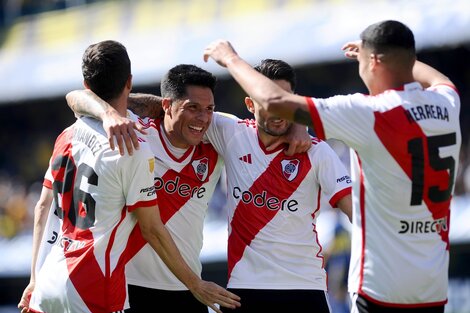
(390, 81)
(171, 141)
(265, 138)
(120, 104)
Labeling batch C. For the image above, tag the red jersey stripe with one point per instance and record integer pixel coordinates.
(275, 185)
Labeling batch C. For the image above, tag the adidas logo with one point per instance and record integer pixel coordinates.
(246, 158)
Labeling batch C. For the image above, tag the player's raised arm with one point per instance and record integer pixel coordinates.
(270, 96)
(429, 76)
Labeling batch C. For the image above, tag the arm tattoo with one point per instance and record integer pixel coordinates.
(303, 117)
(78, 110)
(145, 105)
(82, 106)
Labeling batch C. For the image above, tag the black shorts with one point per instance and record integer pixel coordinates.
(362, 305)
(143, 299)
(273, 300)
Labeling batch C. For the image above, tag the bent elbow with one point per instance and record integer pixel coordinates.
(148, 231)
(152, 232)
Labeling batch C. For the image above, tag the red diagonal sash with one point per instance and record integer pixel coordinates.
(171, 202)
(395, 130)
(249, 219)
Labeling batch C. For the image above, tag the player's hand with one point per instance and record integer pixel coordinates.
(122, 130)
(221, 51)
(211, 294)
(297, 139)
(23, 305)
(351, 49)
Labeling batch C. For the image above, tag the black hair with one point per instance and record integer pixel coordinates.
(277, 70)
(175, 81)
(383, 36)
(106, 67)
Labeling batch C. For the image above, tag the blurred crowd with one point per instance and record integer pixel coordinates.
(17, 201)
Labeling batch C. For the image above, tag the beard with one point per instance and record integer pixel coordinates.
(274, 131)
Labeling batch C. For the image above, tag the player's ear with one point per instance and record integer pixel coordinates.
(249, 105)
(166, 105)
(129, 82)
(375, 60)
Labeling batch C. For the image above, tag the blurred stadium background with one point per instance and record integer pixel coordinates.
(41, 43)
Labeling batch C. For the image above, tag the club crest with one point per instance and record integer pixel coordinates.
(290, 168)
(201, 168)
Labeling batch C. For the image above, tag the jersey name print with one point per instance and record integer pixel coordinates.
(412, 140)
(407, 145)
(95, 191)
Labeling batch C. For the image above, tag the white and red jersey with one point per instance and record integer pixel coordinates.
(184, 187)
(406, 146)
(273, 202)
(95, 190)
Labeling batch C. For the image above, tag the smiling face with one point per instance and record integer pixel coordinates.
(268, 124)
(187, 119)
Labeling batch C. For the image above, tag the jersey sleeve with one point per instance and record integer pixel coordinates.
(331, 173)
(348, 118)
(449, 92)
(220, 130)
(148, 124)
(138, 177)
(48, 178)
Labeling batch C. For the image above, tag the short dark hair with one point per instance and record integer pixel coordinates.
(277, 70)
(106, 67)
(383, 36)
(175, 81)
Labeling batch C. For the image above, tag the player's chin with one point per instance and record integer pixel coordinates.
(278, 131)
(195, 139)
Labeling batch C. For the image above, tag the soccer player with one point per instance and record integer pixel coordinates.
(186, 174)
(186, 170)
(98, 197)
(406, 139)
(275, 260)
